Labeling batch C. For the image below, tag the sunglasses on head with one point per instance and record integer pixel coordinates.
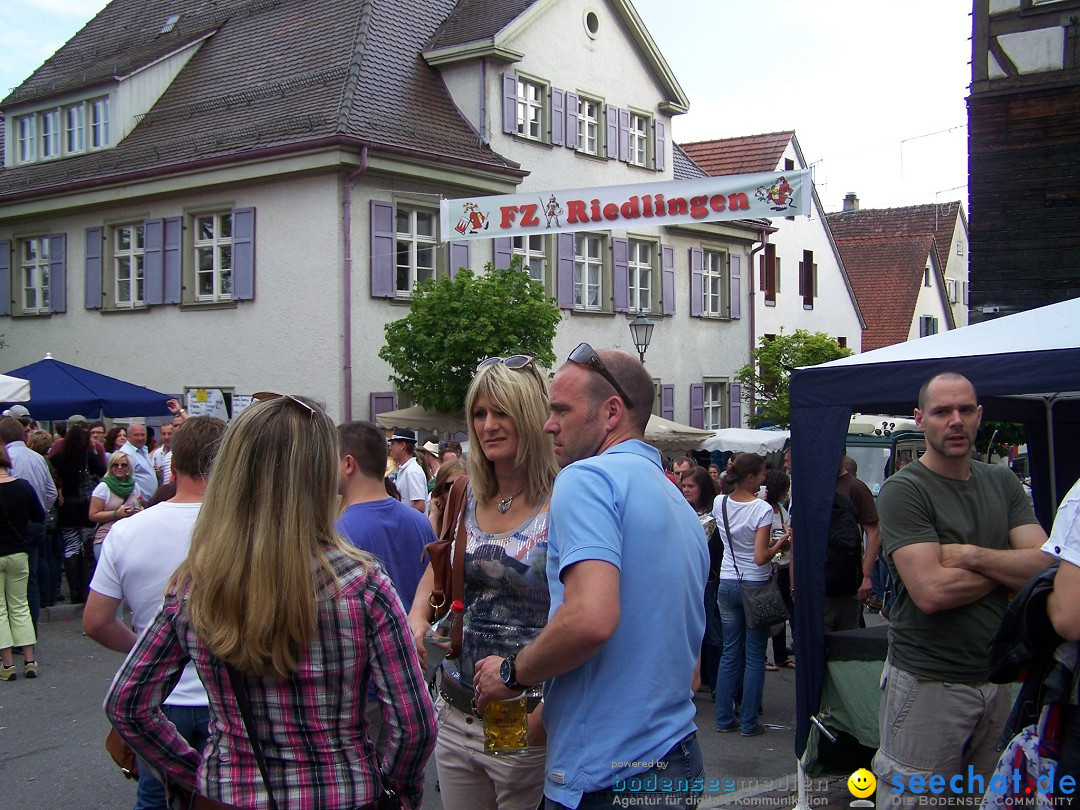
(264, 396)
(585, 355)
(514, 362)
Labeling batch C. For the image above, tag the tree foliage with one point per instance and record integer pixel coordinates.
(1003, 435)
(766, 376)
(455, 323)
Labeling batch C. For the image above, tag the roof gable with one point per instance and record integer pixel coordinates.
(747, 154)
(934, 219)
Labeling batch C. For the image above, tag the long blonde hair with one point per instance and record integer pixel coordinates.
(523, 395)
(267, 515)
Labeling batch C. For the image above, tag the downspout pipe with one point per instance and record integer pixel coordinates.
(346, 248)
(751, 293)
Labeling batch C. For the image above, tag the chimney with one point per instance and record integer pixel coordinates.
(851, 202)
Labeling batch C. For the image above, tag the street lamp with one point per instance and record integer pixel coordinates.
(641, 331)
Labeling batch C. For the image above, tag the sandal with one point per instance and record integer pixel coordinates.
(771, 667)
(789, 664)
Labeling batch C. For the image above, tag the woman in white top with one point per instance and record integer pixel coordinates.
(743, 521)
(115, 498)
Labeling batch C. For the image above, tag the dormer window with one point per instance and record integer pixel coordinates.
(61, 131)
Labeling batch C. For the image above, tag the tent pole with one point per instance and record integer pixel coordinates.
(801, 774)
(1049, 403)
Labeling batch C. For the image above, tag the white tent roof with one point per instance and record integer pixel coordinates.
(12, 389)
(746, 440)
(667, 435)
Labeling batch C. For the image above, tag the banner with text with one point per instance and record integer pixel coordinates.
(737, 196)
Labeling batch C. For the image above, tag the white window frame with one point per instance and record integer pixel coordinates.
(218, 246)
(133, 256)
(715, 402)
(641, 275)
(928, 325)
(530, 109)
(533, 252)
(959, 247)
(639, 139)
(588, 126)
(415, 252)
(34, 275)
(62, 131)
(714, 284)
(589, 271)
(75, 129)
(99, 122)
(26, 134)
(951, 289)
(49, 134)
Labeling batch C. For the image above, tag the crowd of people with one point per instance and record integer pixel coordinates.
(593, 589)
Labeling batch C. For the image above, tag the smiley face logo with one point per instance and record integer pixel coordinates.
(861, 783)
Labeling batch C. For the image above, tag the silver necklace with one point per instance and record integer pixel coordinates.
(503, 506)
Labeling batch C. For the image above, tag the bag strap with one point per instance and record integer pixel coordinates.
(242, 699)
(457, 502)
(727, 532)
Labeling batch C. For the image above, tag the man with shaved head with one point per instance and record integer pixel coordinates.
(626, 566)
(142, 467)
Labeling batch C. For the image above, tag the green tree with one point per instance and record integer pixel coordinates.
(455, 323)
(766, 376)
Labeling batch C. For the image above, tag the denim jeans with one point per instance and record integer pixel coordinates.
(35, 535)
(192, 722)
(676, 780)
(744, 651)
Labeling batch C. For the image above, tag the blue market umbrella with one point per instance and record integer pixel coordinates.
(58, 390)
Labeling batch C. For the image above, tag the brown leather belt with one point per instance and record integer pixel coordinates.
(462, 700)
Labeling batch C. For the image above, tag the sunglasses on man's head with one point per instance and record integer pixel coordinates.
(585, 355)
(513, 362)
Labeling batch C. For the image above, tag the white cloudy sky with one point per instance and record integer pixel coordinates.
(874, 89)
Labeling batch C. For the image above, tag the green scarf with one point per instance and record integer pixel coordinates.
(121, 489)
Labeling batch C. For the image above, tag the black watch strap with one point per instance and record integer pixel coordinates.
(509, 674)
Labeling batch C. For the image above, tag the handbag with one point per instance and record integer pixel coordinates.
(762, 602)
(122, 755)
(448, 561)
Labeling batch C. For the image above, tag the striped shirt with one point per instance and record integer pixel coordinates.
(312, 725)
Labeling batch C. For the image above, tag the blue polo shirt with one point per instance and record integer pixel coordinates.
(628, 705)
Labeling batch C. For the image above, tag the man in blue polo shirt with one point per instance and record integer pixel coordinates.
(627, 564)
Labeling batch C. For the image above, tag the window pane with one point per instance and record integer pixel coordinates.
(225, 258)
(123, 238)
(425, 223)
(226, 282)
(123, 291)
(206, 283)
(123, 269)
(204, 228)
(226, 226)
(206, 259)
(402, 219)
(139, 237)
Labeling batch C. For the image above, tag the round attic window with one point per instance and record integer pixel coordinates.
(592, 24)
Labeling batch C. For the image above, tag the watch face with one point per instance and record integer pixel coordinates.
(504, 671)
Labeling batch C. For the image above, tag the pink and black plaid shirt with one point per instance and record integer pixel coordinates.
(312, 724)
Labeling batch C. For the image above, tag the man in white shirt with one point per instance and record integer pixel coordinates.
(139, 555)
(141, 466)
(161, 458)
(409, 478)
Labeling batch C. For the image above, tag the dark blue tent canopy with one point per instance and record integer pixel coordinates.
(1025, 368)
(59, 390)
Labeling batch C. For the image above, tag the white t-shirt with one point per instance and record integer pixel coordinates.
(745, 518)
(102, 491)
(162, 461)
(411, 482)
(1064, 540)
(779, 523)
(137, 559)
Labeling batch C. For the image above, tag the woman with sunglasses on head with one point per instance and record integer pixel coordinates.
(511, 467)
(275, 608)
(115, 498)
(77, 466)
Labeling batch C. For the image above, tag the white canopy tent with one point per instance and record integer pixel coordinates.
(746, 440)
(669, 436)
(13, 389)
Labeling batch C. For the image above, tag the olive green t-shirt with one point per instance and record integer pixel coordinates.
(920, 506)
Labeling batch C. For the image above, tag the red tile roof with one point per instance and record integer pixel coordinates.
(937, 220)
(744, 155)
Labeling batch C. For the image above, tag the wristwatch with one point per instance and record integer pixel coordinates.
(508, 674)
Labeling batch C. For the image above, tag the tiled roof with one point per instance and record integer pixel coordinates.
(477, 20)
(744, 155)
(275, 74)
(886, 274)
(683, 167)
(911, 220)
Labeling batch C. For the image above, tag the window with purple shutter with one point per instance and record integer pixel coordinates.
(564, 270)
(735, 405)
(659, 145)
(624, 135)
(667, 278)
(459, 257)
(571, 120)
(243, 254)
(5, 276)
(154, 260)
(667, 402)
(697, 288)
(735, 285)
(58, 272)
(621, 274)
(503, 247)
(558, 116)
(697, 405)
(611, 117)
(383, 240)
(172, 250)
(381, 402)
(509, 103)
(95, 238)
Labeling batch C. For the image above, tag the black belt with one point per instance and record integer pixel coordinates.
(462, 700)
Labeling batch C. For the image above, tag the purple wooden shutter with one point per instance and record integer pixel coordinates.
(558, 116)
(5, 276)
(172, 248)
(667, 402)
(659, 145)
(243, 254)
(504, 252)
(381, 402)
(564, 270)
(92, 268)
(509, 103)
(697, 282)
(620, 249)
(735, 405)
(571, 120)
(58, 272)
(624, 135)
(154, 260)
(667, 276)
(383, 242)
(611, 116)
(802, 279)
(697, 405)
(735, 288)
(459, 257)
